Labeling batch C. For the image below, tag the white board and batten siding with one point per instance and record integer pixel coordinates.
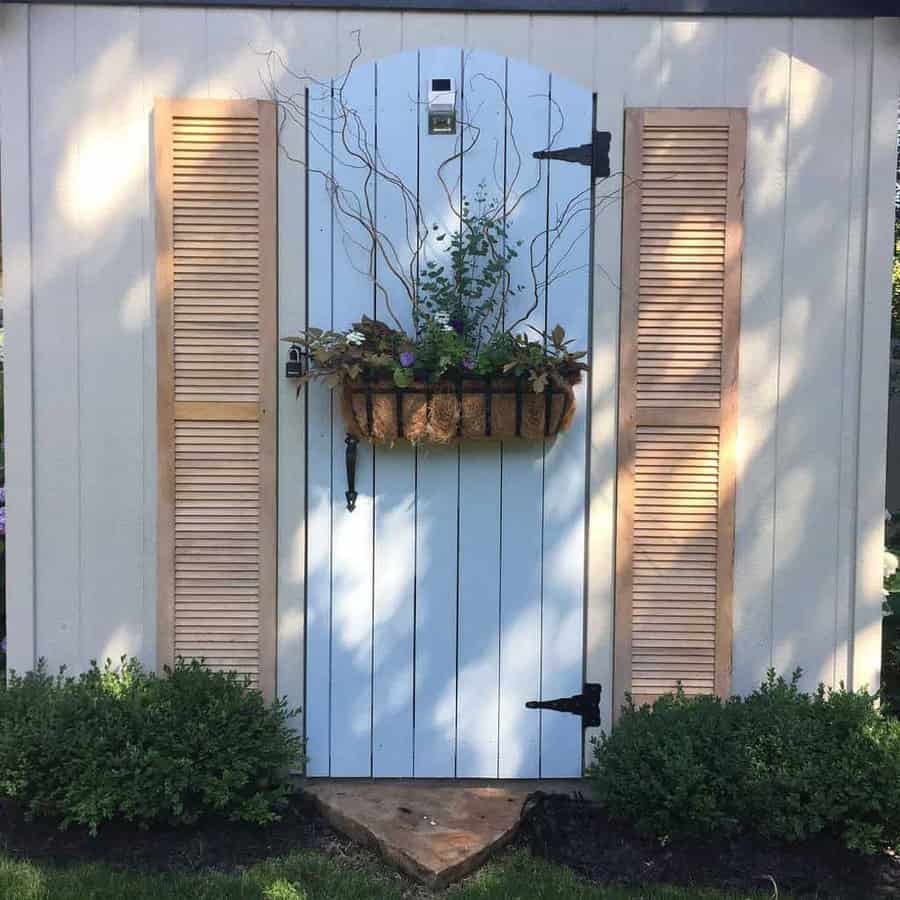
(78, 88)
(449, 601)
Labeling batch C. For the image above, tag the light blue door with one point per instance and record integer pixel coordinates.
(454, 592)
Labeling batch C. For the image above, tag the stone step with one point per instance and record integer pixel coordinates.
(434, 831)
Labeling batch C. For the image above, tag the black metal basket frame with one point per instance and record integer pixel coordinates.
(468, 385)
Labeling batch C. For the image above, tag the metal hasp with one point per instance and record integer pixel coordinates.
(297, 362)
(351, 495)
(586, 704)
(595, 154)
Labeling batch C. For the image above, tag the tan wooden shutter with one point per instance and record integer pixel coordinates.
(216, 358)
(681, 257)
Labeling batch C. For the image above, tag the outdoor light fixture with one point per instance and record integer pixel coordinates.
(442, 106)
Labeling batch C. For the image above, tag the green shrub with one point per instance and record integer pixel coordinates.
(779, 763)
(654, 769)
(117, 744)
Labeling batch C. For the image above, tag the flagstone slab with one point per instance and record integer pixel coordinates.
(434, 831)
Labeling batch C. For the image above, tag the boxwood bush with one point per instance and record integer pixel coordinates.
(780, 763)
(119, 743)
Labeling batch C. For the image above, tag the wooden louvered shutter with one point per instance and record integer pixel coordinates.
(216, 358)
(681, 256)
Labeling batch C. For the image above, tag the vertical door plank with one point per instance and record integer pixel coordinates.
(322, 482)
(568, 304)
(522, 481)
(395, 486)
(437, 509)
(482, 105)
(352, 535)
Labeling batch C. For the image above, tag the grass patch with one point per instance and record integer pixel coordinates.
(309, 875)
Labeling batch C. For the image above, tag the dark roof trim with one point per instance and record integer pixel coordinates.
(816, 8)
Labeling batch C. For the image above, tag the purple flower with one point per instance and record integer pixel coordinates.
(457, 325)
(407, 358)
(2, 520)
(468, 363)
(2, 496)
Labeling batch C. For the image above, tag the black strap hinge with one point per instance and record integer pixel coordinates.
(595, 154)
(586, 704)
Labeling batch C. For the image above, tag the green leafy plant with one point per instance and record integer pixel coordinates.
(470, 285)
(119, 743)
(890, 629)
(459, 316)
(780, 763)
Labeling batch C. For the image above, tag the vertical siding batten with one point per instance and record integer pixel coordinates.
(316, 48)
(112, 317)
(173, 63)
(292, 297)
(55, 105)
(236, 40)
(625, 76)
(686, 41)
(758, 77)
(866, 621)
(812, 349)
(850, 368)
(18, 406)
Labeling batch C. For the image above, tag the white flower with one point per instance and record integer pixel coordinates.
(891, 564)
(356, 338)
(442, 318)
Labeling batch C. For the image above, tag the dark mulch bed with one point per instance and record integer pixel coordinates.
(218, 845)
(575, 832)
(568, 830)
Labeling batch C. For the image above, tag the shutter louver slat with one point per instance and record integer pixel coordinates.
(215, 272)
(680, 302)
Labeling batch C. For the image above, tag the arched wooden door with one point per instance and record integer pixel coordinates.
(454, 593)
